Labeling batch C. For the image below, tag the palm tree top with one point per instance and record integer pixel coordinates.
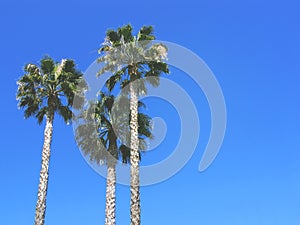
(131, 57)
(50, 87)
(123, 35)
(103, 129)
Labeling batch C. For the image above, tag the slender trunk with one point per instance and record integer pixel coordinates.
(43, 183)
(135, 210)
(110, 207)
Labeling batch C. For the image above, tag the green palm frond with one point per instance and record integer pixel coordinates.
(113, 37)
(125, 151)
(47, 65)
(31, 110)
(145, 125)
(116, 78)
(41, 114)
(146, 34)
(126, 33)
(65, 113)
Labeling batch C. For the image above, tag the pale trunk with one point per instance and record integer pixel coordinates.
(135, 210)
(110, 207)
(43, 183)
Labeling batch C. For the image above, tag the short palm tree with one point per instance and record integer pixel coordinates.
(96, 134)
(131, 58)
(45, 90)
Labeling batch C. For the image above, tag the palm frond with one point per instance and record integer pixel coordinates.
(66, 113)
(125, 32)
(47, 65)
(41, 114)
(146, 34)
(145, 125)
(114, 37)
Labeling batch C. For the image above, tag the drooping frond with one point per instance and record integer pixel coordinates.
(66, 113)
(145, 125)
(41, 114)
(125, 151)
(115, 79)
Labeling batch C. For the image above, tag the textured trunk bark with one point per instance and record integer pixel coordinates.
(135, 209)
(43, 183)
(110, 207)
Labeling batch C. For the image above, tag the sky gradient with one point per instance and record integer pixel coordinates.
(252, 47)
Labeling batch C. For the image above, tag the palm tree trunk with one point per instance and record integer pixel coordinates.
(110, 207)
(43, 183)
(135, 210)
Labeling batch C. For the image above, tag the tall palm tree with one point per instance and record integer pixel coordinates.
(45, 90)
(130, 58)
(96, 138)
(97, 135)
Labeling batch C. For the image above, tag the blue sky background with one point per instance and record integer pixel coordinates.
(253, 49)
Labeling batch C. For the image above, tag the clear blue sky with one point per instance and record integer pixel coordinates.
(253, 49)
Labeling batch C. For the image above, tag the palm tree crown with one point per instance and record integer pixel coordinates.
(130, 57)
(44, 89)
(103, 129)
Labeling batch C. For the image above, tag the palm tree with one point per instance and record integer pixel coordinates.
(130, 58)
(96, 134)
(45, 90)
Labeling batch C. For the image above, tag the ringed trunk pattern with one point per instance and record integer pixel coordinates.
(110, 207)
(44, 173)
(135, 209)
